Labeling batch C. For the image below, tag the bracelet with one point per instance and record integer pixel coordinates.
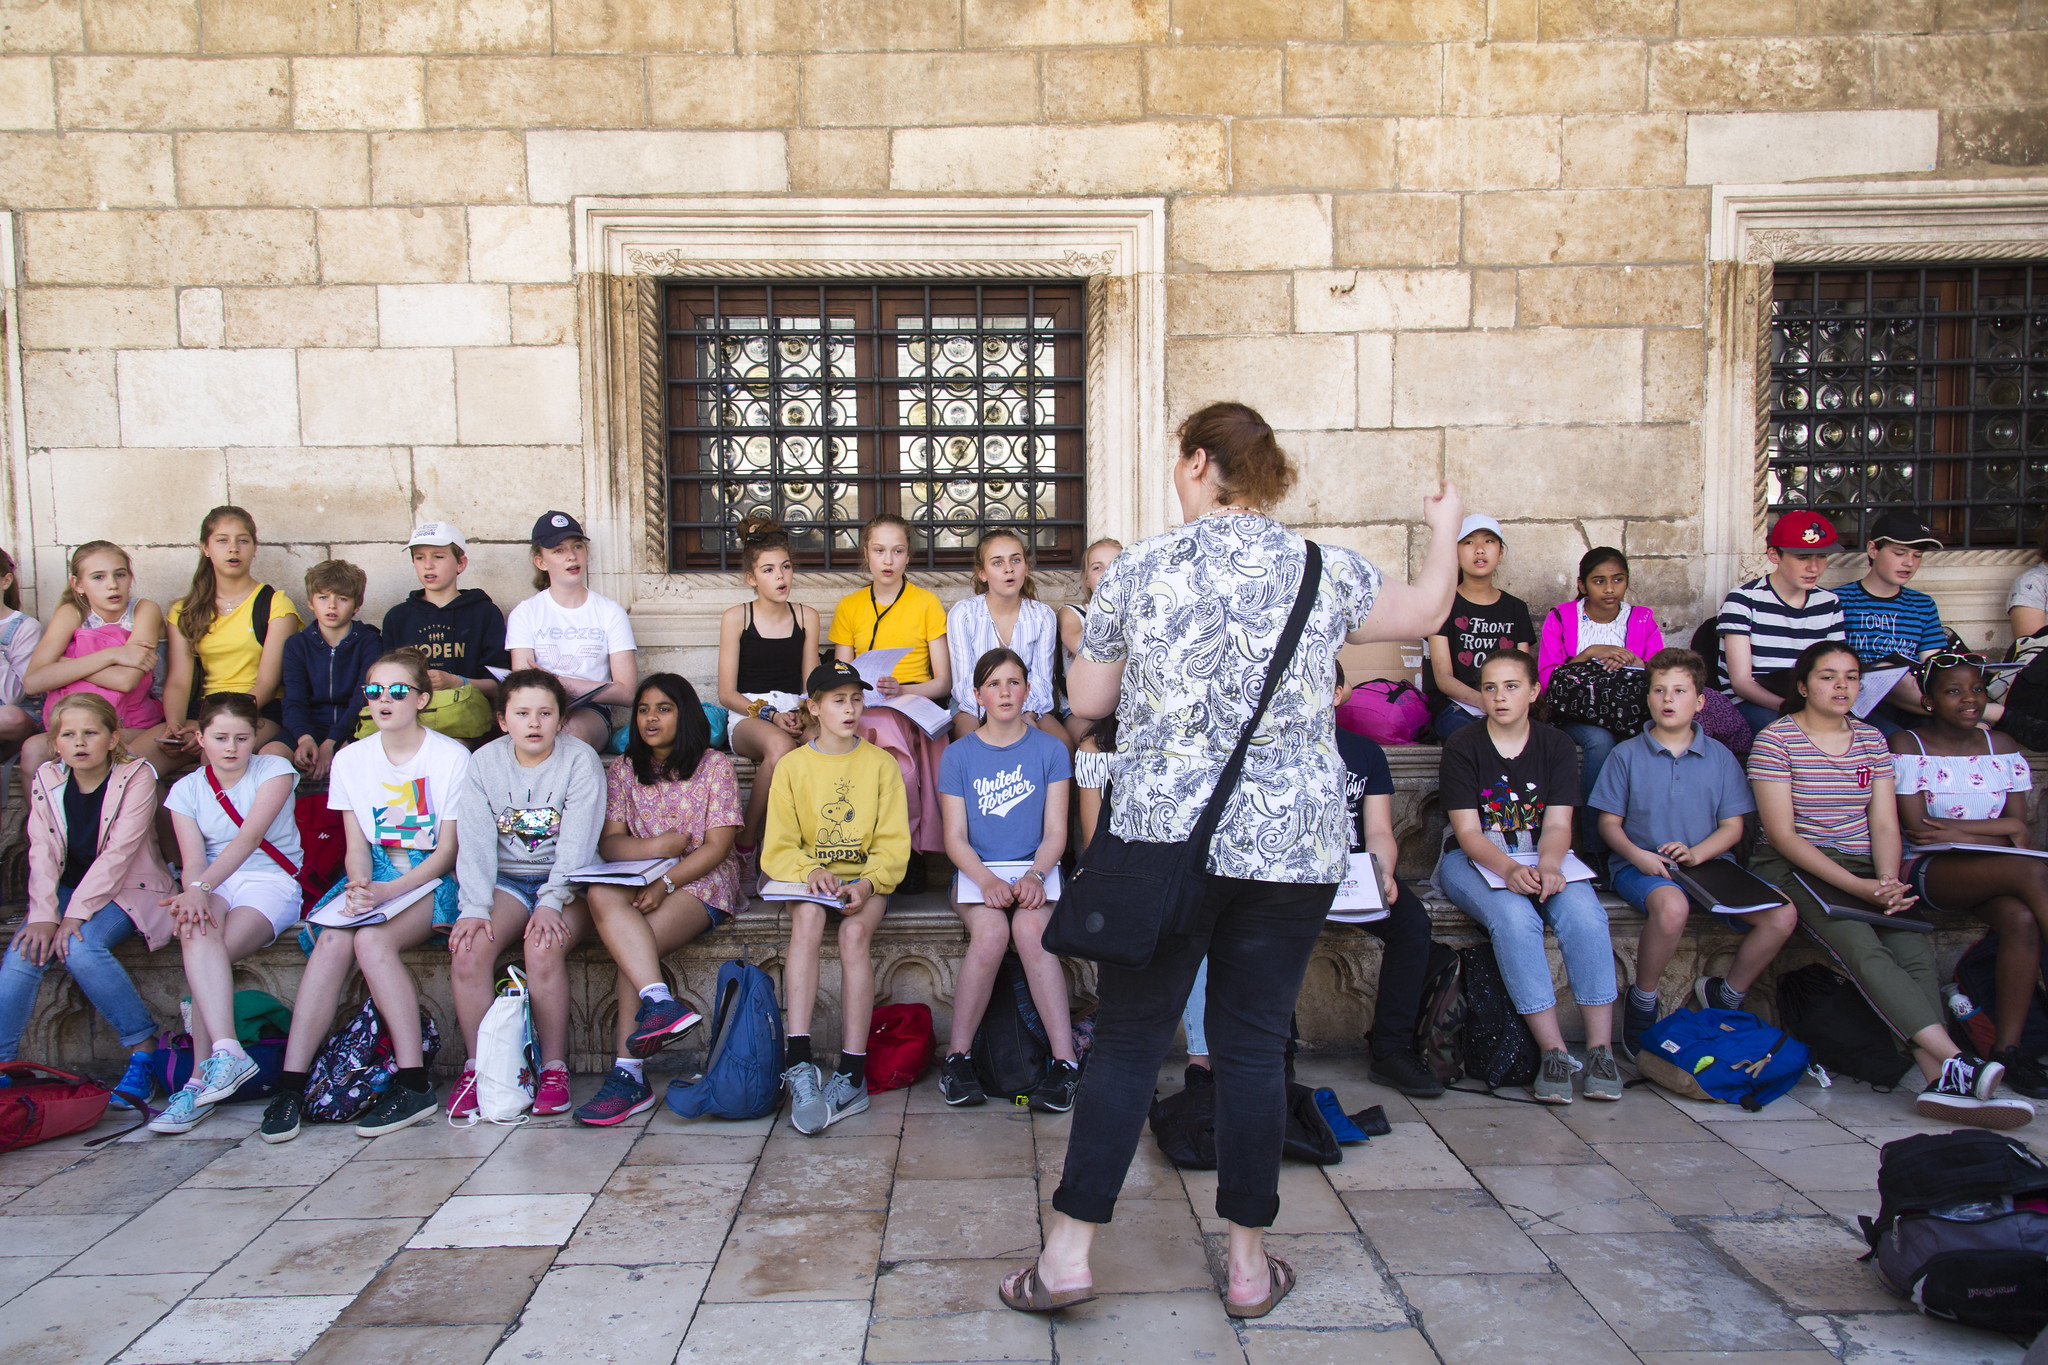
(669, 885)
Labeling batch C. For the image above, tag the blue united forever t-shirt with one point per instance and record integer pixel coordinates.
(1004, 789)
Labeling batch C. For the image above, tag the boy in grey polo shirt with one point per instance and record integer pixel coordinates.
(1674, 794)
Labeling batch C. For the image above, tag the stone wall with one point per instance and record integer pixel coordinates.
(316, 258)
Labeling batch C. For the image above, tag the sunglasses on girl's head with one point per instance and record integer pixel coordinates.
(1948, 658)
(397, 691)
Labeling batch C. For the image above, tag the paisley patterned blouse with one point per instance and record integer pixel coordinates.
(1194, 615)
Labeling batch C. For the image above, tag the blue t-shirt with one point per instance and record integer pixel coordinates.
(1663, 799)
(1004, 789)
(1909, 624)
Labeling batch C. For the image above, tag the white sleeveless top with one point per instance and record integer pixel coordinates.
(1967, 787)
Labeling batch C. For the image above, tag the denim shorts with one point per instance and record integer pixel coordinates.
(1634, 885)
(526, 889)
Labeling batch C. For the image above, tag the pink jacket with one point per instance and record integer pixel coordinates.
(1559, 638)
(127, 868)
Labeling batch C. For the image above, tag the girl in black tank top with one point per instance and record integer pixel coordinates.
(751, 665)
(771, 664)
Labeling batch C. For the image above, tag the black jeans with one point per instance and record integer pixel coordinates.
(1404, 961)
(1257, 937)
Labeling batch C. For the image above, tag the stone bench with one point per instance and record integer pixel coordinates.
(917, 955)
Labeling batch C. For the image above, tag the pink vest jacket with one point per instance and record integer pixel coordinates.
(1559, 638)
(127, 870)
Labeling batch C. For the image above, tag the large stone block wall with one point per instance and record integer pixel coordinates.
(316, 258)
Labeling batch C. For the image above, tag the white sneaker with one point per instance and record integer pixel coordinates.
(222, 1074)
(844, 1098)
(1960, 1094)
(182, 1114)
(808, 1112)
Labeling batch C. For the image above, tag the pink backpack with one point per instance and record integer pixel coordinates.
(1386, 710)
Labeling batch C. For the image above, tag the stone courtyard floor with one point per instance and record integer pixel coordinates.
(1479, 1231)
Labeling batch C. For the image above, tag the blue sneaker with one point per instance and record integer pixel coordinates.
(658, 1023)
(182, 1114)
(137, 1085)
(620, 1097)
(222, 1074)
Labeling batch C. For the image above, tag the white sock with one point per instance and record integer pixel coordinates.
(633, 1067)
(656, 992)
(229, 1045)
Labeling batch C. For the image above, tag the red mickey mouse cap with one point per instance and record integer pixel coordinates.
(1804, 533)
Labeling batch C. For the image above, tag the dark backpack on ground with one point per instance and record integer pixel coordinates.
(1962, 1229)
(356, 1065)
(1824, 1010)
(1011, 1050)
(1498, 1049)
(1184, 1126)
(743, 1070)
(1977, 976)
(1438, 1027)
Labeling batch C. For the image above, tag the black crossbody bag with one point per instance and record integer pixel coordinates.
(1128, 894)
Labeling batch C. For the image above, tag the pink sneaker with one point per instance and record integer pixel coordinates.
(462, 1103)
(553, 1095)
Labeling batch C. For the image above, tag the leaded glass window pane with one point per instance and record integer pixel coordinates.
(958, 407)
(1917, 386)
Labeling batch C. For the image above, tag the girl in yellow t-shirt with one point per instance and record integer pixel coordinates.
(894, 613)
(215, 641)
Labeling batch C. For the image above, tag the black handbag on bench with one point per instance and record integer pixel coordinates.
(1128, 894)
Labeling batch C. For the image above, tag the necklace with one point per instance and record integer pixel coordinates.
(1234, 508)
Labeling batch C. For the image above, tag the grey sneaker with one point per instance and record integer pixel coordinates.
(182, 1114)
(1603, 1078)
(222, 1074)
(1553, 1084)
(844, 1097)
(807, 1111)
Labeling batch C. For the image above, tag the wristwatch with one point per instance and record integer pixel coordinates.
(199, 886)
(667, 884)
(1034, 872)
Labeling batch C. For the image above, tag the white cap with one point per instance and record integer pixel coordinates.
(1479, 521)
(438, 533)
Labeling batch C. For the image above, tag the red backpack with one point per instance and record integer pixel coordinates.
(899, 1046)
(40, 1102)
(322, 844)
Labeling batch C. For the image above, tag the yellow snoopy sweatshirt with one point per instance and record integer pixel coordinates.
(845, 813)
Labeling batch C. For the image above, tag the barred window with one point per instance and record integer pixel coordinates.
(1920, 386)
(957, 406)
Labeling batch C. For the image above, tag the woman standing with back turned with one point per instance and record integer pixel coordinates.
(1179, 638)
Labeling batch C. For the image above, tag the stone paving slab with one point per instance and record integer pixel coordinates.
(1479, 1230)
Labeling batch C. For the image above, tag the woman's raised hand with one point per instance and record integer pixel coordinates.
(1444, 509)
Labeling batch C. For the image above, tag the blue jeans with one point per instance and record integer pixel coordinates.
(1197, 1007)
(1516, 924)
(1452, 719)
(1757, 716)
(1595, 743)
(91, 962)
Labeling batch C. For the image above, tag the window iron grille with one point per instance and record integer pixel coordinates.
(959, 407)
(1912, 386)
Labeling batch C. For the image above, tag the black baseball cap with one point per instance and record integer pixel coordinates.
(832, 675)
(1902, 527)
(555, 527)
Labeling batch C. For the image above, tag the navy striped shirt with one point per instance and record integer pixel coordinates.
(1777, 630)
(1909, 624)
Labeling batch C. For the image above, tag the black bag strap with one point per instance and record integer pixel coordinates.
(1283, 653)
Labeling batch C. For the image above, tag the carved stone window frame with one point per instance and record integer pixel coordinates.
(1754, 228)
(626, 248)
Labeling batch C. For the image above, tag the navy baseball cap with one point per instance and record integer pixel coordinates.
(555, 527)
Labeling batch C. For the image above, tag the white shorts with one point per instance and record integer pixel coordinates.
(265, 889)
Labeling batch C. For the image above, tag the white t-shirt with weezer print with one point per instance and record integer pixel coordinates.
(570, 643)
(1194, 615)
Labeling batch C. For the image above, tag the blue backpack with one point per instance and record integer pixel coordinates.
(743, 1074)
(1729, 1056)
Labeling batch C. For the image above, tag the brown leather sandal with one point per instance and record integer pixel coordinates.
(1282, 1280)
(1026, 1293)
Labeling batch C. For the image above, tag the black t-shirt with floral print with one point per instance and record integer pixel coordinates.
(1510, 794)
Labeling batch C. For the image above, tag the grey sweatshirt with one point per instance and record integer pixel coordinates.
(546, 820)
